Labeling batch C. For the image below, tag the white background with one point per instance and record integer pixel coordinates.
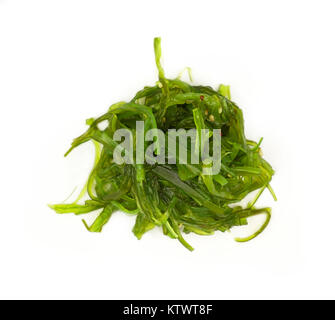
(67, 60)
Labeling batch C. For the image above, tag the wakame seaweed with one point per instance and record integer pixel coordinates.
(178, 197)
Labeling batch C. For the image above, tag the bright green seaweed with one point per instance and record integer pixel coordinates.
(176, 197)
